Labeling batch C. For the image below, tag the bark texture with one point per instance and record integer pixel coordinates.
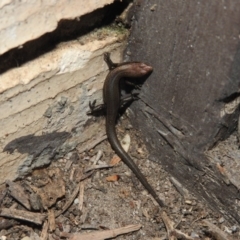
(190, 102)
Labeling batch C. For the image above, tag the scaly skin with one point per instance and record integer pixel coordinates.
(112, 103)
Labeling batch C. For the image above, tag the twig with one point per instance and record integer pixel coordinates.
(81, 194)
(98, 156)
(169, 225)
(92, 144)
(216, 231)
(101, 235)
(86, 176)
(183, 191)
(36, 218)
(71, 175)
(173, 233)
(51, 220)
(94, 167)
(44, 233)
(69, 202)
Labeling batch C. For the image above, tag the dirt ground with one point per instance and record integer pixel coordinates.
(95, 192)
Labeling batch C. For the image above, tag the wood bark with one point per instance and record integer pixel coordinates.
(190, 102)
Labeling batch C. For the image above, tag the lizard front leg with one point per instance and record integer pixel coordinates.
(95, 108)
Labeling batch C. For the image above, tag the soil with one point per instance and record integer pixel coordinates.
(110, 197)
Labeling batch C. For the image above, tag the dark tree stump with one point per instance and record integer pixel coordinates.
(190, 102)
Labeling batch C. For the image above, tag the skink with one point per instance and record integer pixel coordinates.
(113, 101)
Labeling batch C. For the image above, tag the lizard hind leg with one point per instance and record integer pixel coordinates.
(129, 98)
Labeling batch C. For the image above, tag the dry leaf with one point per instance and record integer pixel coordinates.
(115, 160)
(112, 178)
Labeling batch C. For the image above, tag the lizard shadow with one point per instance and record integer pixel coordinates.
(34, 145)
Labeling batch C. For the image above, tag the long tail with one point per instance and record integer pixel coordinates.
(117, 147)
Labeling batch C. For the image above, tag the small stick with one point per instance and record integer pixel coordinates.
(94, 167)
(92, 144)
(51, 220)
(173, 233)
(101, 235)
(98, 156)
(216, 231)
(81, 194)
(69, 202)
(44, 233)
(36, 218)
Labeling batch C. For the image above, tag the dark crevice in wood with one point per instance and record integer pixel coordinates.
(230, 98)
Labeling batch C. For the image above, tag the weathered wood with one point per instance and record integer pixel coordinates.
(194, 48)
